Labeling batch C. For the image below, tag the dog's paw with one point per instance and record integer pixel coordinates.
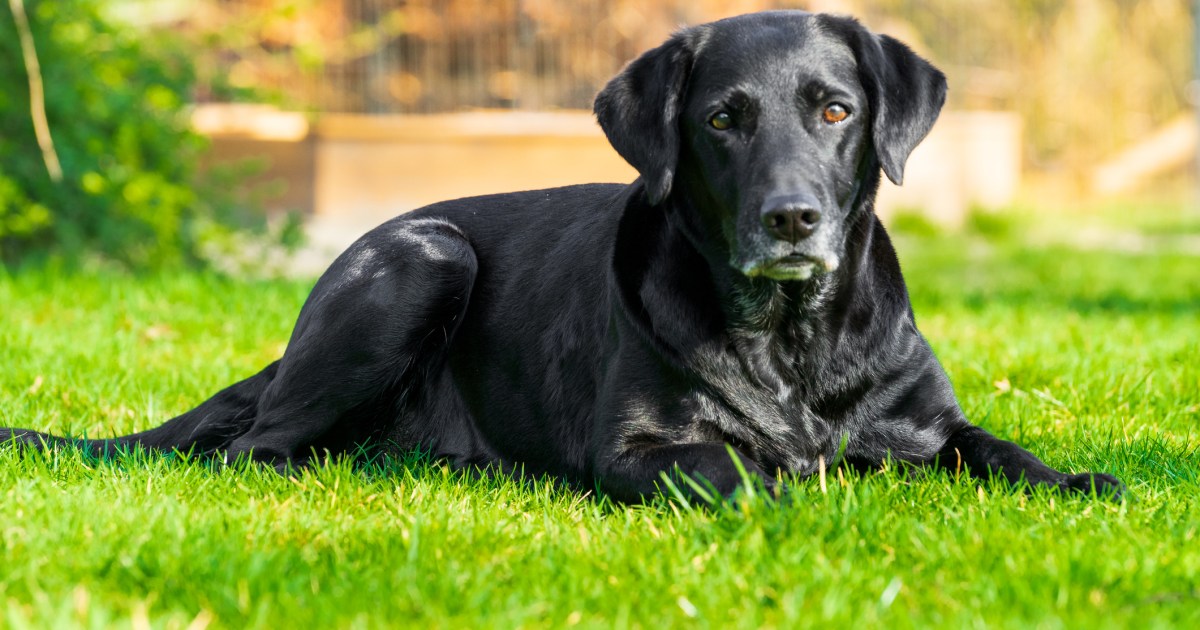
(1104, 485)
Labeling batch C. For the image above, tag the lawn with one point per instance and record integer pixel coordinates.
(1088, 356)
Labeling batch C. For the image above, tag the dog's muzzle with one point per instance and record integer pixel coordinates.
(797, 251)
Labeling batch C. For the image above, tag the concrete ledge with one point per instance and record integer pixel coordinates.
(463, 127)
(381, 167)
(249, 121)
(969, 159)
(369, 168)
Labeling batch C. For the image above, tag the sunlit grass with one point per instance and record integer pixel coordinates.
(1091, 359)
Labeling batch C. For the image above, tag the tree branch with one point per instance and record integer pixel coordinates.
(37, 98)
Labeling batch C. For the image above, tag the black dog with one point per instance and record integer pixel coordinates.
(740, 294)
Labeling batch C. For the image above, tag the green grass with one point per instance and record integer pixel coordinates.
(1091, 359)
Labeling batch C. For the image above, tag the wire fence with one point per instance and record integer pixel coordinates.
(1087, 76)
(425, 56)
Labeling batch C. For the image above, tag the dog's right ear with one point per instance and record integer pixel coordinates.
(639, 111)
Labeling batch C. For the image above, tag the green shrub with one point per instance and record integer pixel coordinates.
(116, 104)
(994, 225)
(913, 222)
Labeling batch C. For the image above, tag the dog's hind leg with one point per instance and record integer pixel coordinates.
(375, 323)
(203, 429)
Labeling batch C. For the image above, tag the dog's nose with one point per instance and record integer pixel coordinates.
(791, 218)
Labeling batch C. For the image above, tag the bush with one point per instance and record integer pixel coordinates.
(913, 222)
(116, 105)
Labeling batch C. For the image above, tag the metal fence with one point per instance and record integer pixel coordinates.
(424, 56)
(1087, 76)
(446, 56)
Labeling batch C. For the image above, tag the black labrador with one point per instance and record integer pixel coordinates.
(740, 299)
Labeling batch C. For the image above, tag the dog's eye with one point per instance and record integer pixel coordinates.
(721, 121)
(835, 113)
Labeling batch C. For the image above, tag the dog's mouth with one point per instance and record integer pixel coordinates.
(792, 267)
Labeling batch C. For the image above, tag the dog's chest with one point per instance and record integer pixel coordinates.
(763, 411)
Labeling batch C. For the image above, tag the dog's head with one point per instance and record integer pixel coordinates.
(770, 124)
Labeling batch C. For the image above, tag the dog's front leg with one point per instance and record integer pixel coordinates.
(985, 455)
(636, 474)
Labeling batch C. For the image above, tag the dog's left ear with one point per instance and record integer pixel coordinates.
(639, 110)
(906, 93)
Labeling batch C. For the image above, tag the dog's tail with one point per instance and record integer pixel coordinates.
(205, 429)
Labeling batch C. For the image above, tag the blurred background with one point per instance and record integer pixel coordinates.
(194, 131)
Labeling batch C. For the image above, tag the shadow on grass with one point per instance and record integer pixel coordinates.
(1151, 464)
(1109, 304)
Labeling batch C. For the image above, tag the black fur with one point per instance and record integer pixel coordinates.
(741, 293)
